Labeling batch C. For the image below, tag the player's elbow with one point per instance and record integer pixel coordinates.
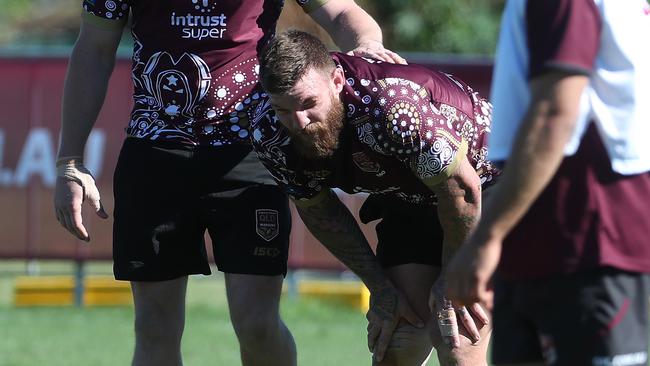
(467, 182)
(555, 104)
(557, 119)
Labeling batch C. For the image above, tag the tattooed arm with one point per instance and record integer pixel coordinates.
(459, 209)
(333, 225)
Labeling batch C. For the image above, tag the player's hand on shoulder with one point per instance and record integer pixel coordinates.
(376, 50)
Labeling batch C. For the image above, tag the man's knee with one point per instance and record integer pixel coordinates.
(468, 354)
(157, 326)
(159, 311)
(409, 346)
(255, 328)
(254, 307)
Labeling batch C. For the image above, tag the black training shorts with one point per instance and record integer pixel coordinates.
(168, 194)
(592, 318)
(407, 233)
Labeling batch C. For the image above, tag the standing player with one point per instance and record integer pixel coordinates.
(415, 140)
(570, 217)
(186, 165)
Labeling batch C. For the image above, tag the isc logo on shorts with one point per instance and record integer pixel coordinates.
(267, 224)
(266, 252)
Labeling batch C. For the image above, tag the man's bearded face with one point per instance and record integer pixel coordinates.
(318, 139)
(313, 113)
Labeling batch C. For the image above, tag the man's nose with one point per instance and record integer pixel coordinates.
(299, 119)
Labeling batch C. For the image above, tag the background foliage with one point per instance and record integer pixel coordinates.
(440, 26)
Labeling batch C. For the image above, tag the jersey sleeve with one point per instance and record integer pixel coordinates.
(443, 143)
(562, 34)
(311, 5)
(273, 147)
(424, 135)
(106, 13)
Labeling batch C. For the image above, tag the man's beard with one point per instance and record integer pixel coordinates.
(319, 140)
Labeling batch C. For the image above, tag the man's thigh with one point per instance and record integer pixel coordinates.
(160, 307)
(594, 318)
(415, 281)
(253, 296)
(410, 345)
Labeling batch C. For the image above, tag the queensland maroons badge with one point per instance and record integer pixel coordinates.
(267, 224)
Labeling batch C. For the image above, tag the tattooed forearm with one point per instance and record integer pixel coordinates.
(456, 230)
(335, 227)
(459, 209)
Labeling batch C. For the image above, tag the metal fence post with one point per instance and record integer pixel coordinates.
(79, 283)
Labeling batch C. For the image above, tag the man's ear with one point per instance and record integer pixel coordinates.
(338, 78)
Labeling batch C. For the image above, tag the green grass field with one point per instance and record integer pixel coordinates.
(326, 334)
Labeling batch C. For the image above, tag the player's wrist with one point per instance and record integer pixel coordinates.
(368, 43)
(69, 160)
(488, 235)
(71, 168)
(382, 286)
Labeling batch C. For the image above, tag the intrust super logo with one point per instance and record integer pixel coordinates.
(200, 23)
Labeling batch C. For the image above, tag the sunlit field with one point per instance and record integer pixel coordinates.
(326, 334)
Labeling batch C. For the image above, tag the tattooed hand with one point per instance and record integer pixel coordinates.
(387, 308)
(450, 319)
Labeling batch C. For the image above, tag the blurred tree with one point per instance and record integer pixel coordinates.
(39, 21)
(442, 26)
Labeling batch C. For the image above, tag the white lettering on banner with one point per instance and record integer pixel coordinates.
(5, 174)
(37, 158)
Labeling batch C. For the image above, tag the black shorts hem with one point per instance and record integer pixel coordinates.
(254, 272)
(165, 277)
(389, 264)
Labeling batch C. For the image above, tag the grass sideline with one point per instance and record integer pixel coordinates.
(326, 334)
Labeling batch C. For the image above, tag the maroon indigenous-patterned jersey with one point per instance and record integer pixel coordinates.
(407, 127)
(195, 67)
